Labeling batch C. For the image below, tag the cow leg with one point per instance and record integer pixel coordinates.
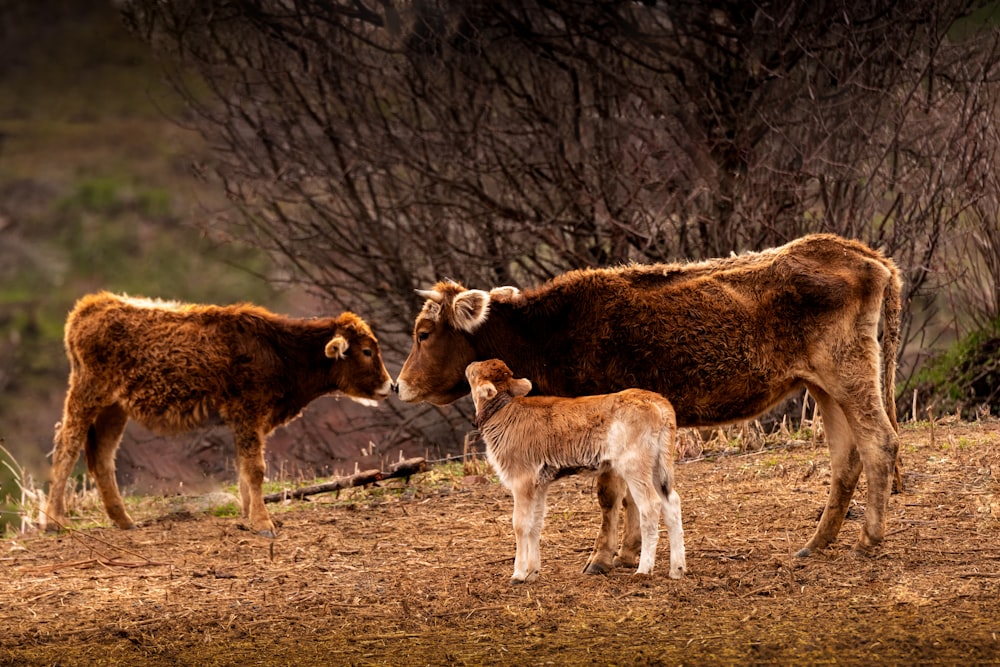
(250, 458)
(102, 443)
(845, 467)
(610, 490)
(628, 555)
(675, 531)
(528, 518)
(71, 434)
(649, 507)
(878, 446)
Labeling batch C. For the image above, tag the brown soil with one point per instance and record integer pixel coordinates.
(419, 575)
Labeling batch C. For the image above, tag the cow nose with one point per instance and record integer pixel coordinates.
(395, 388)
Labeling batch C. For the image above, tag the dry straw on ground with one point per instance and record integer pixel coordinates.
(419, 574)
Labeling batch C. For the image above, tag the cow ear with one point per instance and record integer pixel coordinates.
(337, 348)
(471, 308)
(520, 387)
(506, 294)
(485, 391)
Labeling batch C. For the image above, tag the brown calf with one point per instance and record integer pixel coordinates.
(533, 440)
(724, 340)
(174, 367)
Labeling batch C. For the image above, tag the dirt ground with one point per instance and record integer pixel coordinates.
(418, 574)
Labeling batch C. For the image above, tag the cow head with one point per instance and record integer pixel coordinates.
(442, 345)
(492, 377)
(357, 361)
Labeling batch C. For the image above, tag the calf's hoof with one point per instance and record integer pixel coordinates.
(804, 552)
(524, 579)
(676, 573)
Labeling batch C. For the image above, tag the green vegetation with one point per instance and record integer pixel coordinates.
(963, 379)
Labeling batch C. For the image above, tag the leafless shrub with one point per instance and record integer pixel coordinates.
(375, 147)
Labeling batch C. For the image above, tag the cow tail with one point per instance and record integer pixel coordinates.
(891, 309)
(664, 462)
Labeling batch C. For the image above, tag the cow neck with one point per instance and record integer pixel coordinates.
(491, 407)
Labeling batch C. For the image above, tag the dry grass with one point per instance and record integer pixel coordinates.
(419, 575)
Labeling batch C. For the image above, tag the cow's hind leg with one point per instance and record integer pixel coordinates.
(103, 439)
(70, 437)
(648, 503)
(845, 467)
(878, 445)
(628, 554)
(675, 532)
(610, 490)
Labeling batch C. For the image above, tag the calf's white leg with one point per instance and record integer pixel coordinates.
(528, 518)
(647, 501)
(675, 532)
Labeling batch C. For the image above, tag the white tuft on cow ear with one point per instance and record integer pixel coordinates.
(431, 294)
(471, 308)
(520, 387)
(506, 293)
(337, 348)
(485, 391)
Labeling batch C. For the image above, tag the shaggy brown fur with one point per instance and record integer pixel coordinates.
(174, 367)
(724, 340)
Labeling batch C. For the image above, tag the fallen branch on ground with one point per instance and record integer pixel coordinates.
(400, 469)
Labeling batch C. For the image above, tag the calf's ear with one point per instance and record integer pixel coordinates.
(471, 308)
(485, 391)
(337, 348)
(520, 387)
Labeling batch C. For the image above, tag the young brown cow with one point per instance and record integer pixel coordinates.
(724, 340)
(533, 440)
(174, 367)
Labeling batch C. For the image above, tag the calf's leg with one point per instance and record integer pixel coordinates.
(528, 517)
(71, 434)
(675, 532)
(647, 501)
(250, 457)
(611, 489)
(102, 443)
(628, 554)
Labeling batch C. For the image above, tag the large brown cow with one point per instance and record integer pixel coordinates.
(724, 340)
(174, 367)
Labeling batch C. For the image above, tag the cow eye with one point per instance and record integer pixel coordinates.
(367, 352)
(422, 336)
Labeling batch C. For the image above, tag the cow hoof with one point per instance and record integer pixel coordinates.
(626, 561)
(595, 567)
(267, 532)
(804, 552)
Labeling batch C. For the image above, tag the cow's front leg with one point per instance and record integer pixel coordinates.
(610, 490)
(250, 458)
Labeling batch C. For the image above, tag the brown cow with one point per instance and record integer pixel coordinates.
(533, 440)
(174, 367)
(724, 340)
